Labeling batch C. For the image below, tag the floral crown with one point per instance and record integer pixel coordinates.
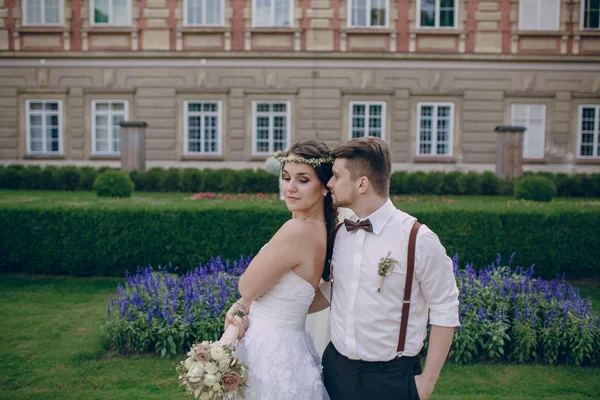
(313, 162)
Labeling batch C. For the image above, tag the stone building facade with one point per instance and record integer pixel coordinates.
(224, 83)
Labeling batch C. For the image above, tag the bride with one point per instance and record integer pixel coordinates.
(279, 285)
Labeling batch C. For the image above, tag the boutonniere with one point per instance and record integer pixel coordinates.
(384, 268)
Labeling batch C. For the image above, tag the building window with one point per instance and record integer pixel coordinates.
(368, 13)
(272, 12)
(203, 127)
(532, 117)
(111, 12)
(591, 14)
(588, 136)
(367, 119)
(42, 12)
(106, 132)
(539, 15)
(44, 126)
(437, 13)
(435, 129)
(271, 126)
(203, 12)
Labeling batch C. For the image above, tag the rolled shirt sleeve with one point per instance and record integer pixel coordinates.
(435, 275)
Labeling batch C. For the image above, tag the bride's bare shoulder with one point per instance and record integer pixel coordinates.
(295, 229)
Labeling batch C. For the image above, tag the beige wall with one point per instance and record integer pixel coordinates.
(481, 94)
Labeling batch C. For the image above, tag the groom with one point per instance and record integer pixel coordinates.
(367, 357)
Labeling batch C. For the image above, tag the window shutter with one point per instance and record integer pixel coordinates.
(533, 117)
(550, 15)
(529, 14)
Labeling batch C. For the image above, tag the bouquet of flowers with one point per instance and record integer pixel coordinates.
(211, 372)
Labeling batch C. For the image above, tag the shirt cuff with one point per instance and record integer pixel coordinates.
(444, 315)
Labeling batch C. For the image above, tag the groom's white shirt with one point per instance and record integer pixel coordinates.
(364, 323)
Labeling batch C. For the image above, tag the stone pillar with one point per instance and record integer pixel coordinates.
(509, 151)
(133, 145)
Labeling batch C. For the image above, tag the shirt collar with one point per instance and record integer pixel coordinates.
(379, 217)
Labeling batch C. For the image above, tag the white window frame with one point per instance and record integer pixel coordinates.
(368, 25)
(540, 13)
(110, 14)
(202, 114)
(110, 138)
(61, 15)
(367, 104)
(28, 113)
(203, 23)
(437, 16)
(596, 132)
(582, 18)
(288, 115)
(436, 105)
(272, 24)
(528, 118)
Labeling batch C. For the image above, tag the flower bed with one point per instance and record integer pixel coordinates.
(506, 314)
(510, 315)
(166, 313)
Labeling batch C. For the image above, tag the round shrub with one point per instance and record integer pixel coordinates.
(113, 184)
(536, 188)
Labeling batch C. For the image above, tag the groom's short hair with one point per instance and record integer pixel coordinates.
(370, 157)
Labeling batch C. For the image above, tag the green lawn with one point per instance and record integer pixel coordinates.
(408, 203)
(52, 349)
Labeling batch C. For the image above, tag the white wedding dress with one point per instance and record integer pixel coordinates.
(282, 360)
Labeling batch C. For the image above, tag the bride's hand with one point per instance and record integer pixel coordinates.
(230, 318)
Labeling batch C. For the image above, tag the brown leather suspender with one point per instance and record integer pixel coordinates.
(410, 268)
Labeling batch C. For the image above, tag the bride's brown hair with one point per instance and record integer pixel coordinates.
(308, 149)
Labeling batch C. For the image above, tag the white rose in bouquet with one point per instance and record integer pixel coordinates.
(211, 368)
(210, 380)
(205, 396)
(189, 362)
(217, 353)
(195, 373)
(224, 364)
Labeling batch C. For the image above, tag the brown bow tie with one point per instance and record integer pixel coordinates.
(365, 224)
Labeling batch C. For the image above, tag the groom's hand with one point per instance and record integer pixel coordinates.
(424, 387)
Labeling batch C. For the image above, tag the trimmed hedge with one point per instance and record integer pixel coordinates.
(250, 181)
(101, 242)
